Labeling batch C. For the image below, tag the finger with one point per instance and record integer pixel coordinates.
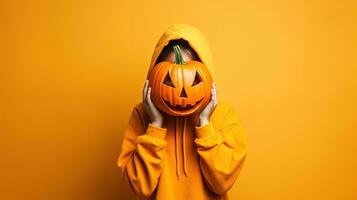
(145, 90)
(148, 97)
(213, 101)
(150, 103)
(210, 104)
(213, 94)
(143, 95)
(155, 110)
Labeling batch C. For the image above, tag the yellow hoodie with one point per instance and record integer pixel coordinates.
(183, 160)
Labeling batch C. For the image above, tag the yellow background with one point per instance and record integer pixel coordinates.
(71, 71)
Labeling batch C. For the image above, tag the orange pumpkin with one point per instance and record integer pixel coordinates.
(180, 88)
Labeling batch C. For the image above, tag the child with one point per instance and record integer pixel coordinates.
(190, 157)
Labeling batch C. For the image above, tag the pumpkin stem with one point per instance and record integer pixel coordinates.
(178, 55)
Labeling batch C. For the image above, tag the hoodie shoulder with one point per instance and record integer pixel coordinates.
(223, 113)
(223, 107)
(139, 107)
(139, 115)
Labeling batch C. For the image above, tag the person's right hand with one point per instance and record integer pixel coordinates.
(154, 114)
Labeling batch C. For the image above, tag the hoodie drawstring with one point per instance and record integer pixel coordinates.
(176, 150)
(183, 147)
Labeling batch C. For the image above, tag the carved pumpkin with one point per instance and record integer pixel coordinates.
(180, 88)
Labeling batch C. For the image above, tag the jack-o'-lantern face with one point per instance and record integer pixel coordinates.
(180, 88)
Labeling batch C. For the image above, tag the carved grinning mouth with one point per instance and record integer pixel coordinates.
(182, 108)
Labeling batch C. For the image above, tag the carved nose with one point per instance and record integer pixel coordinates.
(183, 93)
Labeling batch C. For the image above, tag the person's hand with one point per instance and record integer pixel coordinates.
(207, 111)
(154, 114)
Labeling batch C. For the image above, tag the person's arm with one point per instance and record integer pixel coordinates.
(141, 158)
(220, 145)
(222, 151)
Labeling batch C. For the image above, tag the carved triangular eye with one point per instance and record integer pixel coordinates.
(197, 80)
(168, 81)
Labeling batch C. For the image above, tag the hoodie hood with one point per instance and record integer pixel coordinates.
(193, 36)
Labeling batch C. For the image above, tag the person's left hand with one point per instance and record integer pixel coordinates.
(207, 111)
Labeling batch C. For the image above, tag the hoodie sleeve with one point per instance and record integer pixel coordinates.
(222, 149)
(141, 158)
